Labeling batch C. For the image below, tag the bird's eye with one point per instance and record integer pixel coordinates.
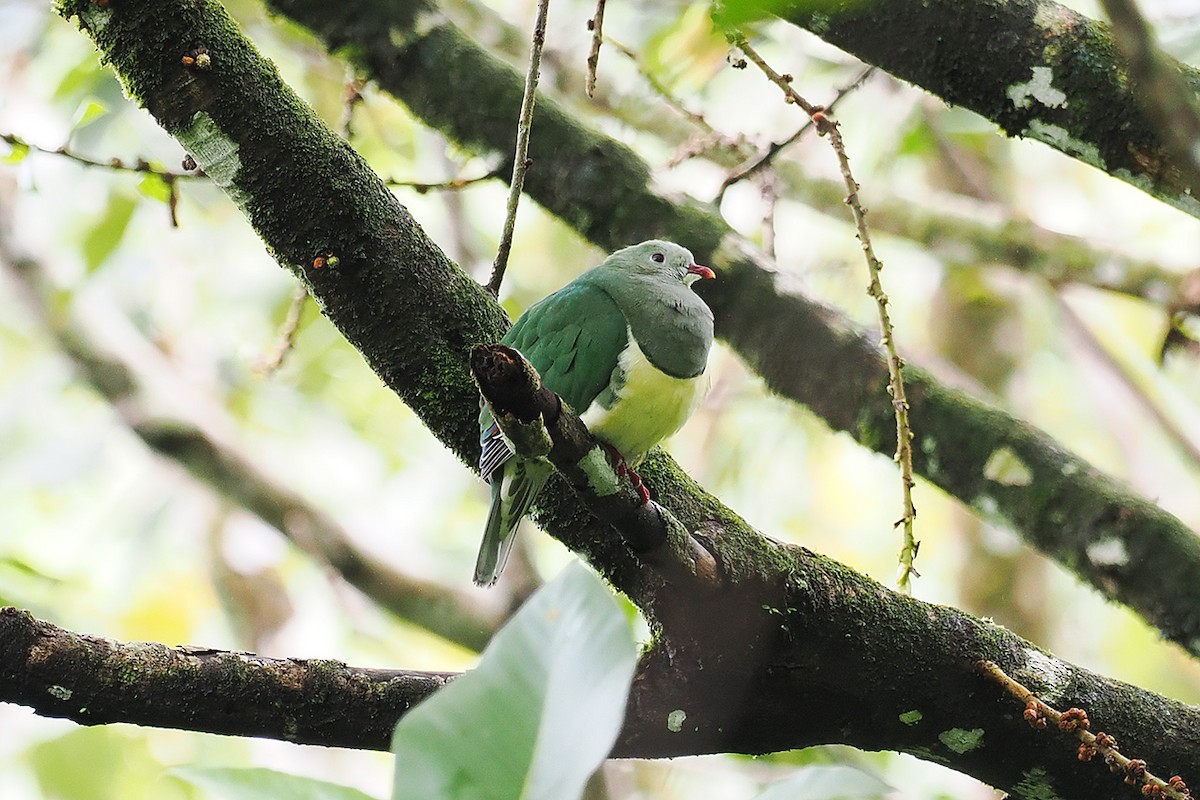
(658, 257)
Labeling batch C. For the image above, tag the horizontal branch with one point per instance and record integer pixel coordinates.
(93, 681)
(829, 687)
(806, 351)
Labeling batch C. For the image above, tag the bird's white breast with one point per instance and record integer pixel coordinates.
(651, 405)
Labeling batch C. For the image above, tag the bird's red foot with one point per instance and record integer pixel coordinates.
(642, 489)
(623, 469)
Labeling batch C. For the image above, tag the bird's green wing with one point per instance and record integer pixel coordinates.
(573, 338)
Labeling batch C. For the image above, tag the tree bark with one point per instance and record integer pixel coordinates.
(96, 681)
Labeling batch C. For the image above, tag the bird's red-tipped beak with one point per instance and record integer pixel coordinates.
(702, 271)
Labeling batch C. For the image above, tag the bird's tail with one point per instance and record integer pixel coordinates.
(514, 486)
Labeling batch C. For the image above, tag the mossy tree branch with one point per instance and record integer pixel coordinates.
(857, 669)
(96, 681)
(806, 351)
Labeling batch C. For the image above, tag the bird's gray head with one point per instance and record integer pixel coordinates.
(660, 260)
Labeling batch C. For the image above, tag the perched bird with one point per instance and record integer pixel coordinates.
(625, 345)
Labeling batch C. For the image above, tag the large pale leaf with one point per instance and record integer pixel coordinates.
(540, 712)
(264, 784)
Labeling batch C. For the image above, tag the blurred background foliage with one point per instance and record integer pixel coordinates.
(98, 534)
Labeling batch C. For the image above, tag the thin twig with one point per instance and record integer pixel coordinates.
(759, 163)
(596, 26)
(452, 185)
(1173, 430)
(1075, 722)
(659, 88)
(350, 99)
(169, 177)
(827, 126)
(286, 340)
(141, 165)
(520, 160)
(769, 186)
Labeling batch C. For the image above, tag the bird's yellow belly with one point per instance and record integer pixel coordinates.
(652, 405)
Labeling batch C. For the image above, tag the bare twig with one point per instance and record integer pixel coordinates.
(1159, 87)
(521, 158)
(119, 165)
(827, 126)
(759, 163)
(170, 177)
(596, 26)
(661, 90)
(1074, 721)
(769, 187)
(1173, 430)
(452, 185)
(352, 97)
(287, 333)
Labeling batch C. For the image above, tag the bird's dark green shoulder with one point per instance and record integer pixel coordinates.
(573, 338)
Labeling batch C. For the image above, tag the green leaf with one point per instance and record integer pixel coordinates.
(733, 13)
(86, 77)
(229, 783)
(688, 52)
(106, 235)
(154, 187)
(16, 153)
(832, 782)
(105, 763)
(26, 569)
(88, 113)
(540, 712)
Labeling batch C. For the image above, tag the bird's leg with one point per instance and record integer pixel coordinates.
(623, 469)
